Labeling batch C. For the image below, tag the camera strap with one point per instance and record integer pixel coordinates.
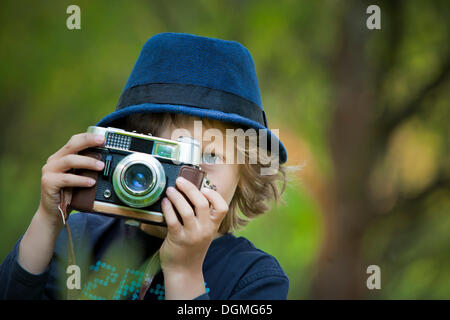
(153, 267)
(71, 294)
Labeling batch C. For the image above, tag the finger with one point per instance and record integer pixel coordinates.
(60, 180)
(220, 206)
(183, 207)
(173, 224)
(79, 142)
(75, 161)
(201, 204)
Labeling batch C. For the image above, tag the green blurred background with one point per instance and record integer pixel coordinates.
(364, 113)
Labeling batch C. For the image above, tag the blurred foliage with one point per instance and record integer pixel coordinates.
(56, 82)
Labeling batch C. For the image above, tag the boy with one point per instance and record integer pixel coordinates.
(177, 79)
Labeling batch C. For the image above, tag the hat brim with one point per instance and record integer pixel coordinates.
(196, 112)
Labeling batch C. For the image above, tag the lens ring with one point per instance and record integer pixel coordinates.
(144, 196)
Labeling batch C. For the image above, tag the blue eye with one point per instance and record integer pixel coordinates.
(211, 158)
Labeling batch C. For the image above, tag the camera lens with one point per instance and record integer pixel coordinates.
(138, 177)
(139, 180)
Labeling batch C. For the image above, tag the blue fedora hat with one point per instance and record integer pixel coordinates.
(198, 76)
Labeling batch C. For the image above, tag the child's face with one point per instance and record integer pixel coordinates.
(223, 175)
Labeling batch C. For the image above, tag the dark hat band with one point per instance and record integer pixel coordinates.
(194, 96)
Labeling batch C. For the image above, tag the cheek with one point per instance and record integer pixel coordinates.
(227, 190)
(225, 181)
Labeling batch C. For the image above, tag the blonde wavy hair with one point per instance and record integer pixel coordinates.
(254, 192)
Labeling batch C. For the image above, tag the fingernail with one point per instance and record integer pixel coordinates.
(99, 164)
(91, 182)
(170, 189)
(165, 200)
(181, 180)
(99, 138)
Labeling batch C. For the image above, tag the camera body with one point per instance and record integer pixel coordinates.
(138, 169)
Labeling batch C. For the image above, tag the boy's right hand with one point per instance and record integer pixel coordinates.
(55, 174)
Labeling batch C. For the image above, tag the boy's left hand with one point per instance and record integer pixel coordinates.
(185, 245)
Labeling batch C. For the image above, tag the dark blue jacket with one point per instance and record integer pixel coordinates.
(111, 256)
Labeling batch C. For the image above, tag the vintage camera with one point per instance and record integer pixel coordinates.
(138, 169)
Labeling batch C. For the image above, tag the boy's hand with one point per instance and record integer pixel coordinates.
(37, 245)
(55, 176)
(184, 249)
